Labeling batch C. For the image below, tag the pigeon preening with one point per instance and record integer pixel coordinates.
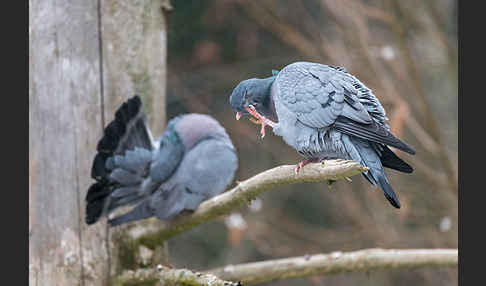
(324, 113)
(193, 160)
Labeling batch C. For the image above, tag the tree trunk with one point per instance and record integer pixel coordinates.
(78, 76)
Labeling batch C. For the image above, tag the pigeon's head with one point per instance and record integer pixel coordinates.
(250, 92)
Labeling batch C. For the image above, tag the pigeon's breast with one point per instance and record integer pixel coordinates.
(322, 144)
(287, 126)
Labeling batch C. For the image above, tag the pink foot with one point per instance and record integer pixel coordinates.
(305, 162)
(262, 119)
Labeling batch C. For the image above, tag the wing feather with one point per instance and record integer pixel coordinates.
(318, 94)
(324, 96)
(373, 132)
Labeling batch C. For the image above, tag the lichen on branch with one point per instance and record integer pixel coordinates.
(336, 262)
(169, 276)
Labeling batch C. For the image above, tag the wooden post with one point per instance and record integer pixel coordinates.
(134, 44)
(83, 62)
(134, 40)
(64, 126)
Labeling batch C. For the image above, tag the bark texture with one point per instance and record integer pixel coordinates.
(336, 262)
(168, 276)
(85, 58)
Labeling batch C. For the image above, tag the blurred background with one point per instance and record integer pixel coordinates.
(405, 51)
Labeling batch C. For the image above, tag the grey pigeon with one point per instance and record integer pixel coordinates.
(193, 160)
(324, 112)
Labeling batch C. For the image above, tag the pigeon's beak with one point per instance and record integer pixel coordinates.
(238, 115)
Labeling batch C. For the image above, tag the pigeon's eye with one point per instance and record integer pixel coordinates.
(253, 101)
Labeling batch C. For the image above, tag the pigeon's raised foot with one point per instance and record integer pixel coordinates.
(260, 119)
(305, 162)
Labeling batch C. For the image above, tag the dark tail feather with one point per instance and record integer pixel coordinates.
(373, 132)
(126, 131)
(95, 201)
(388, 192)
(390, 160)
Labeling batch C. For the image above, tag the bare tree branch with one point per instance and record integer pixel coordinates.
(336, 262)
(263, 16)
(247, 190)
(168, 276)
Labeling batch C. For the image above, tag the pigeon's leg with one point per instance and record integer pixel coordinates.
(305, 162)
(262, 119)
(256, 121)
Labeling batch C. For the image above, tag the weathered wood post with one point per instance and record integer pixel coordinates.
(85, 58)
(134, 44)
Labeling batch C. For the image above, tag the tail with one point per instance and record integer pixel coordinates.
(126, 132)
(165, 204)
(375, 175)
(388, 191)
(141, 211)
(367, 155)
(390, 160)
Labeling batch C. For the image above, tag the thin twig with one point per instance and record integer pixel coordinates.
(337, 262)
(288, 34)
(433, 126)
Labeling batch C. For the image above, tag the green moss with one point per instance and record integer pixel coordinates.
(127, 249)
(143, 87)
(146, 17)
(141, 82)
(112, 6)
(152, 240)
(151, 282)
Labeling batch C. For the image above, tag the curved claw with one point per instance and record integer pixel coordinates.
(256, 121)
(305, 162)
(259, 119)
(298, 167)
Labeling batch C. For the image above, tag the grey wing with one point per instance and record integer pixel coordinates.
(318, 94)
(204, 172)
(322, 96)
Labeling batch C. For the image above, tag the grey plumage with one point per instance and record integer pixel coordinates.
(326, 113)
(193, 160)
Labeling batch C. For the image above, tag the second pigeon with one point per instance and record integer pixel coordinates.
(193, 160)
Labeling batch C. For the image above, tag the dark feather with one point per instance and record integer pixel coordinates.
(388, 192)
(390, 160)
(373, 132)
(95, 202)
(125, 132)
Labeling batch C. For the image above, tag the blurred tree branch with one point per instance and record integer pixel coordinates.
(168, 276)
(247, 190)
(302, 266)
(413, 71)
(336, 262)
(263, 16)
